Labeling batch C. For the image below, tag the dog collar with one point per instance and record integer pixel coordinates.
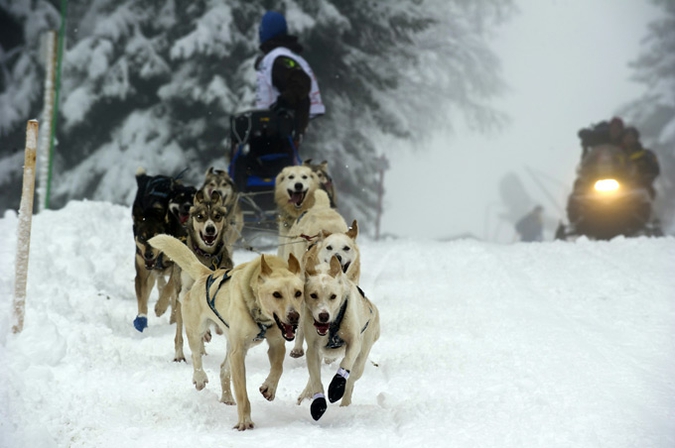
(215, 258)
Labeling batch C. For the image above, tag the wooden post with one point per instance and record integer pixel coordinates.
(24, 226)
(44, 153)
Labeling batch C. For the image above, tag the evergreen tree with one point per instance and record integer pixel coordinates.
(153, 83)
(654, 112)
(22, 25)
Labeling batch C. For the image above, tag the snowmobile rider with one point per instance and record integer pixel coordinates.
(285, 80)
(605, 132)
(644, 160)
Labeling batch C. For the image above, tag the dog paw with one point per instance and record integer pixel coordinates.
(297, 353)
(199, 379)
(160, 307)
(336, 389)
(179, 359)
(268, 391)
(243, 425)
(140, 323)
(207, 336)
(318, 407)
(228, 399)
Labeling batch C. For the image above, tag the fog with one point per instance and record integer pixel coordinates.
(566, 64)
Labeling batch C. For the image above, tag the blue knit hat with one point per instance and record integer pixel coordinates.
(273, 24)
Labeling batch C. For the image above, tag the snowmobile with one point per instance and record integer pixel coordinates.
(262, 143)
(607, 200)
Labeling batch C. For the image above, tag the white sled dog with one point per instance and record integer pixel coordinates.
(343, 246)
(338, 320)
(256, 300)
(294, 189)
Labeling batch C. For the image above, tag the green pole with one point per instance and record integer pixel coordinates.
(57, 88)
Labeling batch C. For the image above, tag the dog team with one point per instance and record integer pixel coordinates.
(307, 293)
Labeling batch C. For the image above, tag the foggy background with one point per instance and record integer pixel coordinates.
(566, 63)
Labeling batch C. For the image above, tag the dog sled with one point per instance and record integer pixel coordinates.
(262, 143)
(607, 200)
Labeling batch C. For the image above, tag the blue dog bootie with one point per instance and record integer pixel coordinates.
(141, 322)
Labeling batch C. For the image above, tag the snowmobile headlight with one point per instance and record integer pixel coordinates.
(606, 185)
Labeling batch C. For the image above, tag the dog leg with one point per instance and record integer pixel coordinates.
(275, 353)
(144, 282)
(225, 377)
(355, 374)
(194, 330)
(298, 351)
(237, 355)
(314, 388)
(178, 340)
(336, 388)
(169, 293)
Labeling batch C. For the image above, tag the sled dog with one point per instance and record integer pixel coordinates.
(294, 189)
(338, 320)
(325, 180)
(220, 181)
(342, 246)
(256, 300)
(149, 217)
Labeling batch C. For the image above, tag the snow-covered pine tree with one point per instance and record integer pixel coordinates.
(152, 83)
(654, 112)
(21, 81)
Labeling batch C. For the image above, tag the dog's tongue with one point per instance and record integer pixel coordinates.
(289, 332)
(321, 328)
(209, 239)
(183, 218)
(296, 198)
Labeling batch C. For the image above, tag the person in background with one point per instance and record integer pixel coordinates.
(285, 81)
(605, 132)
(644, 160)
(531, 226)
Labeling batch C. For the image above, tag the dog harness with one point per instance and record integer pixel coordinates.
(215, 259)
(334, 339)
(211, 301)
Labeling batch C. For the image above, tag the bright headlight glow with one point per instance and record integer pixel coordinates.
(606, 185)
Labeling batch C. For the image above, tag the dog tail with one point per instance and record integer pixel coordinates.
(180, 254)
(321, 199)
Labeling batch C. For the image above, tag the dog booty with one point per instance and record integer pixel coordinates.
(318, 406)
(140, 323)
(337, 387)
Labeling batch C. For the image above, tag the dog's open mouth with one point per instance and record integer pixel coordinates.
(287, 330)
(321, 327)
(183, 217)
(150, 264)
(346, 266)
(209, 240)
(296, 197)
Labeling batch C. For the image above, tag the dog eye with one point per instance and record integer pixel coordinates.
(292, 176)
(277, 295)
(329, 247)
(314, 296)
(333, 297)
(298, 294)
(305, 176)
(217, 217)
(200, 217)
(346, 248)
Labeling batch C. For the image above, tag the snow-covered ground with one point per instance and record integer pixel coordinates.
(526, 345)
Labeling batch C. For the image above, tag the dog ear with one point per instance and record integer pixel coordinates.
(310, 265)
(209, 171)
(353, 230)
(294, 265)
(307, 162)
(335, 267)
(199, 196)
(265, 270)
(216, 196)
(324, 165)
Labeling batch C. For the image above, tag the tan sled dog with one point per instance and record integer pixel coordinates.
(338, 320)
(341, 246)
(294, 189)
(256, 300)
